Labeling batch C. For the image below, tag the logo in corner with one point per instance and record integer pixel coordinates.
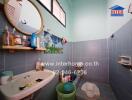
(117, 11)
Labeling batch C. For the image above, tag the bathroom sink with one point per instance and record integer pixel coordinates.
(25, 84)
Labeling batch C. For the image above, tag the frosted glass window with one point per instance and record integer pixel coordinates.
(55, 9)
(58, 12)
(46, 3)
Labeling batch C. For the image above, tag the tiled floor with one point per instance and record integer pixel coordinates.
(105, 92)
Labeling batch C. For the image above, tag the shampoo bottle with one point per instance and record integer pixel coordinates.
(33, 40)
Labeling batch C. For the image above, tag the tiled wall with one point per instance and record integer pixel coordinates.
(120, 76)
(87, 51)
(91, 52)
(23, 61)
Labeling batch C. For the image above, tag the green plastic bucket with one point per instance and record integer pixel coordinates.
(65, 96)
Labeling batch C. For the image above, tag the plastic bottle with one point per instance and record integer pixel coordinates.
(38, 42)
(63, 79)
(33, 40)
(12, 37)
(38, 64)
(42, 65)
(6, 36)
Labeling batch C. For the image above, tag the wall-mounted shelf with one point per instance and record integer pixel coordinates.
(119, 62)
(21, 48)
(125, 61)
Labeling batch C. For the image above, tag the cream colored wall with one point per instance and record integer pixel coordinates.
(89, 19)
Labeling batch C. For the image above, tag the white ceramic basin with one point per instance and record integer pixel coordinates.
(12, 91)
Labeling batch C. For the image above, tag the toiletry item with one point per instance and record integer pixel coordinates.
(5, 77)
(63, 78)
(24, 39)
(42, 65)
(38, 65)
(60, 78)
(68, 78)
(18, 40)
(6, 36)
(38, 42)
(12, 37)
(33, 40)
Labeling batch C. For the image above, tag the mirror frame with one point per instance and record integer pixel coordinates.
(18, 29)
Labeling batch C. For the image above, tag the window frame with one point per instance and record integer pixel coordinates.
(45, 6)
(51, 12)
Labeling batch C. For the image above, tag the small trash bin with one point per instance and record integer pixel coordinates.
(66, 93)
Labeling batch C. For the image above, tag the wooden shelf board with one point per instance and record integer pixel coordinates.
(119, 62)
(41, 49)
(21, 48)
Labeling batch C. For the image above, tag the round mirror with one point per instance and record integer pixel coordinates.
(24, 16)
